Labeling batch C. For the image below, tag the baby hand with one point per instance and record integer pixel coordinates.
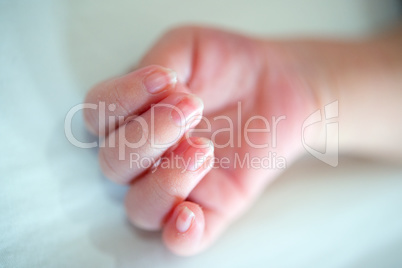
(189, 175)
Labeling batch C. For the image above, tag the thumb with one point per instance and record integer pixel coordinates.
(218, 66)
(174, 50)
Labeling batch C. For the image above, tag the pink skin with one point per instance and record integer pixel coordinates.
(115, 159)
(151, 198)
(222, 69)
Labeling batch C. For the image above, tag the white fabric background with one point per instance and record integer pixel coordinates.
(57, 210)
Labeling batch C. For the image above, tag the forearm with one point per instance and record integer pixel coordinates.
(365, 78)
(370, 102)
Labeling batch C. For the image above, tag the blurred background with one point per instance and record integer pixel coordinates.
(57, 210)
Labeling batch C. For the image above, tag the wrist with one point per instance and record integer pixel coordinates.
(288, 91)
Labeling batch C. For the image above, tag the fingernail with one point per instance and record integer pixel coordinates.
(184, 220)
(181, 148)
(188, 111)
(200, 151)
(160, 80)
(195, 152)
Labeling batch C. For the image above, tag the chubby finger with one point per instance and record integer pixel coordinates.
(212, 205)
(151, 198)
(191, 229)
(135, 146)
(114, 100)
